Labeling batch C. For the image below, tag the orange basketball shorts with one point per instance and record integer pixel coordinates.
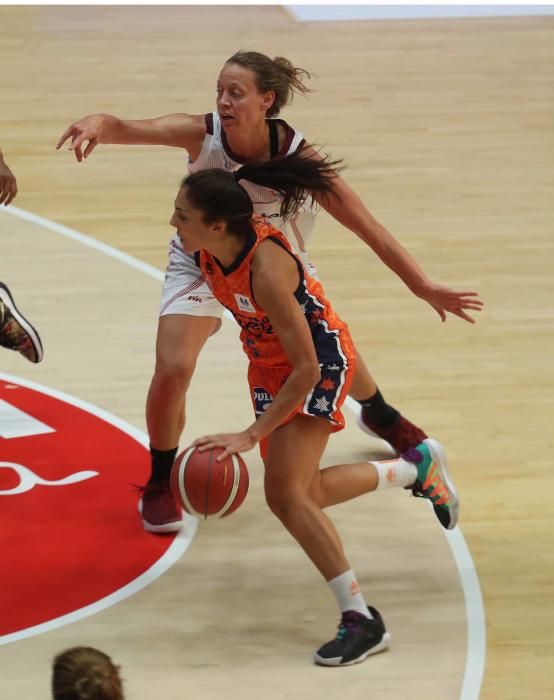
(324, 401)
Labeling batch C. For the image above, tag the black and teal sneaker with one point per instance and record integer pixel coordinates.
(434, 481)
(358, 637)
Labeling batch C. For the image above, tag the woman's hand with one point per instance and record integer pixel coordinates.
(232, 442)
(8, 184)
(445, 300)
(86, 129)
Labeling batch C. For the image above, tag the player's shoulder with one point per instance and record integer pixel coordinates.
(196, 124)
(271, 260)
(185, 130)
(288, 136)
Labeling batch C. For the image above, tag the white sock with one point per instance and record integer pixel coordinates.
(395, 473)
(348, 594)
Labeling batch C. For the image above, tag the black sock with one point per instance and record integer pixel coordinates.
(377, 410)
(162, 461)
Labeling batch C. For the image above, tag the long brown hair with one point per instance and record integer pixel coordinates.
(85, 673)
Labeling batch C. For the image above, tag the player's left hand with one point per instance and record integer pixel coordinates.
(8, 184)
(232, 442)
(445, 300)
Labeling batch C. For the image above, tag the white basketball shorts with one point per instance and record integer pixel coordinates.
(185, 291)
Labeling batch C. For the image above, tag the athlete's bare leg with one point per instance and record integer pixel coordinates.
(291, 463)
(343, 482)
(292, 460)
(297, 491)
(179, 342)
(363, 385)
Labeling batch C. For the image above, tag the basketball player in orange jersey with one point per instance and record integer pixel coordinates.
(251, 90)
(302, 363)
(16, 333)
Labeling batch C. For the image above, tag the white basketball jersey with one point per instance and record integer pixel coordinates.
(216, 153)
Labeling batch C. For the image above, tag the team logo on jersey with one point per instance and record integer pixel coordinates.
(262, 400)
(245, 304)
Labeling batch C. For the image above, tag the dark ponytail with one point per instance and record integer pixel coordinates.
(219, 196)
(295, 177)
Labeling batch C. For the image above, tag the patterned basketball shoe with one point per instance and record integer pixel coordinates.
(434, 481)
(16, 333)
(158, 508)
(358, 637)
(401, 435)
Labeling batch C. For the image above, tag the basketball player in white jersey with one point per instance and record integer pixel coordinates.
(251, 90)
(16, 333)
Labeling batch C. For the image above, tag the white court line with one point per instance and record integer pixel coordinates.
(172, 554)
(475, 611)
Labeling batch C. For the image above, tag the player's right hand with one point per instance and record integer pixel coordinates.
(443, 300)
(86, 129)
(233, 443)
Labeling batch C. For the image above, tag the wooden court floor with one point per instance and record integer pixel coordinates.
(447, 131)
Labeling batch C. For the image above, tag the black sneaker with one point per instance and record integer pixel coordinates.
(357, 638)
(16, 333)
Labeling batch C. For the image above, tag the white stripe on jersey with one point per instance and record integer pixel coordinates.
(266, 202)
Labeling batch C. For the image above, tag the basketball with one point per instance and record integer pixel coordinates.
(207, 488)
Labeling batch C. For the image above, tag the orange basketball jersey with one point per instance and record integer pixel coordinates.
(269, 365)
(231, 286)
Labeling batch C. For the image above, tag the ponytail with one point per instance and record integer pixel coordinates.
(218, 194)
(296, 177)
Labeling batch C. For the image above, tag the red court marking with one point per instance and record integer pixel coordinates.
(65, 547)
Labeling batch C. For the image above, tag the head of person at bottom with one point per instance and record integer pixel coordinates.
(214, 212)
(85, 673)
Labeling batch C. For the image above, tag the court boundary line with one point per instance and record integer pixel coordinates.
(473, 599)
(170, 557)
